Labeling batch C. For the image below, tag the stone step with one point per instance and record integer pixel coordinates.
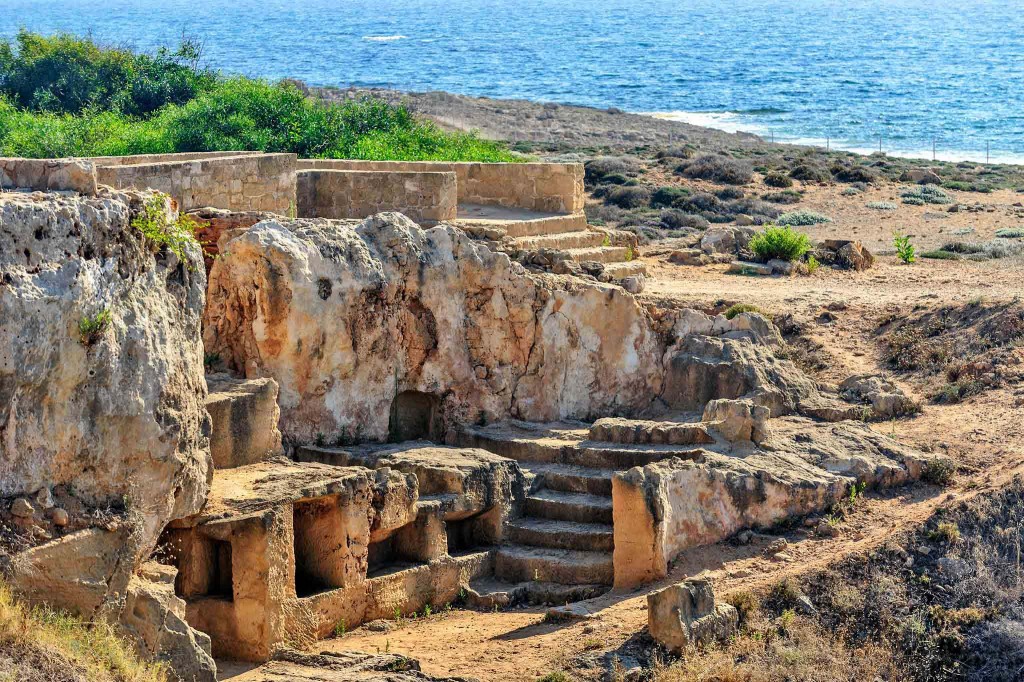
(561, 241)
(642, 431)
(489, 593)
(575, 222)
(622, 456)
(561, 506)
(535, 532)
(601, 254)
(573, 479)
(619, 271)
(518, 563)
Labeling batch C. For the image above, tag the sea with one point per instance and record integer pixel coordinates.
(911, 77)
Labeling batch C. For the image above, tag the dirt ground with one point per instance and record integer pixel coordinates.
(981, 433)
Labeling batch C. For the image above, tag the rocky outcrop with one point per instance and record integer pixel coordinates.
(348, 319)
(244, 416)
(101, 364)
(686, 615)
(155, 618)
(344, 666)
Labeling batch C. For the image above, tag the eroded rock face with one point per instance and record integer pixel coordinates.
(347, 319)
(115, 411)
(686, 614)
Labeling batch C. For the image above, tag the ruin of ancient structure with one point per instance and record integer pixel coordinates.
(347, 415)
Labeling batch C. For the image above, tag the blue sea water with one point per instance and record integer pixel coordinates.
(905, 74)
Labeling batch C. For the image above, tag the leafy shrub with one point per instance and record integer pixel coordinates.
(780, 242)
(596, 169)
(913, 201)
(812, 265)
(738, 308)
(941, 254)
(686, 151)
(853, 173)
(904, 249)
(802, 218)
(926, 194)
(882, 205)
(752, 207)
(628, 197)
(777, 179)
(701, 202)
(176, 236)
(1010, 232)
(668, 196)
(851, 191)
(806, 172)
(717, 168)
(615, 179)
(730, 193)
(675, 219)
(64, 74)
(786, 196)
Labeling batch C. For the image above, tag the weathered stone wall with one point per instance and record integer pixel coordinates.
(253, 182)
(115, 412)
(139, 159)
(346, 318)
(546, 187)
(73, 175)
(427, 198)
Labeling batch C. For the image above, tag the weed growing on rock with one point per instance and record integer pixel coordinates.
(91, 327)
(780, 242)
(176, 236)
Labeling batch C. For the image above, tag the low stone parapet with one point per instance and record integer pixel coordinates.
(427, 198)
(48, 175)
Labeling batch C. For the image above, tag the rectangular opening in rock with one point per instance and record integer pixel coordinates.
(319, 532)
(465, 535)
(204, 569)
(414, 416)
(387, 556)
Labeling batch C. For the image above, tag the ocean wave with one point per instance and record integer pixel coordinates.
(384, 39)
(728, 121)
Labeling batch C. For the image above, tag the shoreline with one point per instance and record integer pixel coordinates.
(570, 126)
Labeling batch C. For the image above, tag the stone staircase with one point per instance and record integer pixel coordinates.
(546, 238)
(565, 534)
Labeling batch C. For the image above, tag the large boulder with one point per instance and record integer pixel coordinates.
(101, 361)
(383, 329)
(686, 615)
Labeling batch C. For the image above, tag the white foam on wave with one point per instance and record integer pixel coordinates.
(384, 39)
(731, 122)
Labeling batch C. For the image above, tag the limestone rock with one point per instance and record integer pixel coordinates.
(22, 508)
(155, 618)
(847, 254)
(411, 316)
(688, 257)
(742, 267)
(922, 176)
(634, 284)
(117, 412)
(685, 614)
(244, 416)
(726, 240)
(782, 267)
(738, 420)
(887, 400)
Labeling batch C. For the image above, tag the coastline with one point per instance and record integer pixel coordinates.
(570, 127)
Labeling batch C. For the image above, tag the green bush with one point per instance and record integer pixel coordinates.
(806, 172)
(67, 96)
(802, 218)
(668, 196)
(941, 254)
(1010, 232)
(842, 172)
(777, 179)
(882, 205)
(738, 308)
(717, 168)
(904, 249)
(65, 74)
(628, 197)
(925, 194)
(780, 242)
(786, 196)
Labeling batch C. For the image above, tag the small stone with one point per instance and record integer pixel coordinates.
(744, 220)
(953, 569)
(378, 626)
(742, 267)
(44, 498)
(826, 529)
(781, 267)
(22, 508)
(805, 606)
(777, 545)
(634, 284)
(745, 537)
(923, 549)
(59, 517)
(480, 371)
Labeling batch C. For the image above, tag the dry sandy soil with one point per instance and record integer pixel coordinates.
(518, 645)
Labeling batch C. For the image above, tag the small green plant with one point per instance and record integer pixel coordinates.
(176, 236)
(210, 360)
(780, 242)
(904, 249)
(882, 205)
(802, 218)
(320, 440)
(812, 265)
(91, 327)
(339, 628)
(939, 471)
(945, 532)
(607, 241)
(630, 253)
(427, 611)
(738, 308)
